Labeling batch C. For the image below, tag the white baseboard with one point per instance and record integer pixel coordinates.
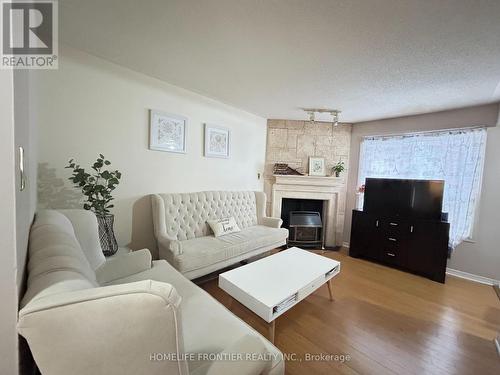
(345, 244)
(471, 277)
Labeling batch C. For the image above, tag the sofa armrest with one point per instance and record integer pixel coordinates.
(171, 246)
(273, 222)
(125, 265)
(108, 330)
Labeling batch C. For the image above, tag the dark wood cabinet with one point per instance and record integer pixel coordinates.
(368, 225)
(418, 246)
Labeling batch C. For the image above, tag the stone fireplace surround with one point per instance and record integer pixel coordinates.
(331, 190)
(294, 142)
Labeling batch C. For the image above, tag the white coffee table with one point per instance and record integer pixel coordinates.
(273, 285)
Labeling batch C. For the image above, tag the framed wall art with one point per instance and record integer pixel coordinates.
(217, 141)
(317, 166)
(167, 132)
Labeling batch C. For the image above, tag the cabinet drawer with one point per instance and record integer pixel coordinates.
(392, 225)
(391, 256)
(391, 244)
(392, 239)
(395, 228)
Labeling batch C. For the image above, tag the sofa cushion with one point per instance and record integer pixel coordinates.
(53, 217)
(198, 252)
(55, 250)
(55, 282)
(48, 235)
(86, 232)
(56, 261)
(207, 326)
(59, 262)
(61, 243)
(121, 266)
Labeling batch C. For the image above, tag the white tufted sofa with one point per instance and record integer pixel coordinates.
(185, 239)
(85, 315)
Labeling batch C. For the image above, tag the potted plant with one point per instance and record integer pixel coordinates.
(97, 188)
(338, 168)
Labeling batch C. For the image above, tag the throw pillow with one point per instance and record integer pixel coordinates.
(223, 226)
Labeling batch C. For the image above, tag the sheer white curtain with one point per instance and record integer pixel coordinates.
(457, 157)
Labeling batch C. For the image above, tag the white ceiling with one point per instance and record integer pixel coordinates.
(371, 59)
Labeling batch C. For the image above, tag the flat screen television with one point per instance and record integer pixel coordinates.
(421, 199)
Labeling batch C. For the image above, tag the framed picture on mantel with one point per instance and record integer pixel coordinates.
(317, 166)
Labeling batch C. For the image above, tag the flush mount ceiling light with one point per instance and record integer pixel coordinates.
(333, 112)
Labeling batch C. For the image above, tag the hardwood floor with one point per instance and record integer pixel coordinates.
(388, 322)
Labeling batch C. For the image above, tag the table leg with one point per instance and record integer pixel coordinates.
(272, 327)
(329, 284)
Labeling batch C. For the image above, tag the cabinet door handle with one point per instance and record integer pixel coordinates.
(391, 254)
(394, 224)
(376, 223)
(22, 179)
(392, 239)
(411, 229)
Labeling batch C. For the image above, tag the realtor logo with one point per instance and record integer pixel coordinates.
(29, 34)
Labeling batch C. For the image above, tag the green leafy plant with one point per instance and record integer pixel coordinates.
(97, 187)
(338, 168)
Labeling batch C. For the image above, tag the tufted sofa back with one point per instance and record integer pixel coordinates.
(184, 216)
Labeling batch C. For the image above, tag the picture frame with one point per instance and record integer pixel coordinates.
(167, 132)
(217, 142)
(317, 166)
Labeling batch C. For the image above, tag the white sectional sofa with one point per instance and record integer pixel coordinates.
(85, 315)
(185, 240)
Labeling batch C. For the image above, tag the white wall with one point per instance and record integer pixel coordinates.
(483, 256)
(90, 106)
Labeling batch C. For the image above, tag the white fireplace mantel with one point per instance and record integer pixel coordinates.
(331, 190)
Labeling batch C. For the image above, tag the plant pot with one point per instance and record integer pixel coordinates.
(107, 238)
(337, 174)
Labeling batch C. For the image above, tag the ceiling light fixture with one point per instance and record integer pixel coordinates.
(335, 117)
(333, 112)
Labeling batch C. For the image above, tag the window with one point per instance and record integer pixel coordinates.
(457, 157)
